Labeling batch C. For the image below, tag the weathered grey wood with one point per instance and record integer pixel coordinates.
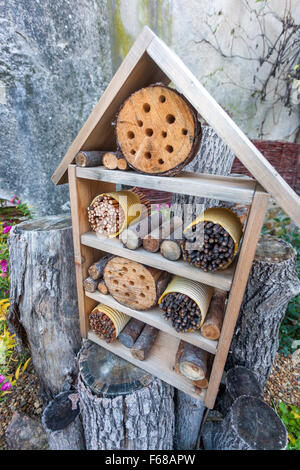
(44, 311)
(210, 186)
(122, 406)
(131, 332)
(250, 424)
(239, 381)
(62, 422)
(188, 416)
(272, 283)
(214, 158)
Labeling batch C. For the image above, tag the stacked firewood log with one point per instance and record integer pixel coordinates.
(95, 280)
(193, 363)
(139, 337)
(111, 160)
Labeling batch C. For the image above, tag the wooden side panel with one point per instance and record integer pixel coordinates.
(136, 71)
(81, 194)
(246, 256)
(239, 143)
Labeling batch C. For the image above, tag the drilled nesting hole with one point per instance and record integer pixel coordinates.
(132, 152)
(170, 118)
(115, 282)
(149, 132)
(148, 155)
(130, 135)
(126, 294)
(131, 283)
(142, 295)
(164, 134)
(133, 270)
(125, 269)
(162, 98)
(169, 148)
(184, 131)
(146, 107)
(142, 277)
(161, 161)
(140, 123)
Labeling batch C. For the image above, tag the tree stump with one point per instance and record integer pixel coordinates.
(214, 158)
(250, 424)
(44, 312)
(239, 381)
(188, 418)
(61, 421)
(122, 406)
(272, 283)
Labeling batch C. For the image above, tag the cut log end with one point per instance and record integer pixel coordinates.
(158, 130)
(132, 283)
(144, 343)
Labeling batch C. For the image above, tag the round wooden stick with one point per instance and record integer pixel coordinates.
(131, 332)
(153, 241)
(89, 158)
(96, 270)
(212, 325)
(132, 237)
(90, 285)
(193, 362)
(144, 343)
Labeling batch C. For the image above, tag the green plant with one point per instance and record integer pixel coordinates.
(290, 416)
(11, 213)
(281, 226)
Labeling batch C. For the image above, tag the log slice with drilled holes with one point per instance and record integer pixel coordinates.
(133, 284)
(158, 131)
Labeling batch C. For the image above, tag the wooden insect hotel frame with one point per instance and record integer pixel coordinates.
(150, 61)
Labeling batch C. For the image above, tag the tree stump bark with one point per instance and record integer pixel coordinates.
(239, 381)
(44, 313)
(61, 421)
(188, 418)
(122, 406)
(272, 283)
(250, 424)
(214, 158)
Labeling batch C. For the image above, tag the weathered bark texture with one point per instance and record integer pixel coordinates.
(239, 381)
(214, 158)
(122, 406)
(44, 311)
(62, 422)
(250, 424)
(272, 283)
(188, 417)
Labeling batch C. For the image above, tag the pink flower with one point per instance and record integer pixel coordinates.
(2, 378)
(6, 292)
(3, 265)
(12, 200)
(7, 229)
(5, 386)
(3, 275)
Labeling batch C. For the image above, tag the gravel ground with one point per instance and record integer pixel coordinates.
(25, 398)
(284, 382)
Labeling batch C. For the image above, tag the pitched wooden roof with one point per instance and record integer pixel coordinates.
(149, 61)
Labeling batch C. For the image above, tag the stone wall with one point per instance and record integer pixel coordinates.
(223, 43)
(54, 65)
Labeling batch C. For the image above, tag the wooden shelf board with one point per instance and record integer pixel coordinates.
(219, 279)
(155, 318)
(225, 188)
(160, 361)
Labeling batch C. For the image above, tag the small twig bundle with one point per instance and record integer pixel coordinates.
(217, 250)
(103, 326)
(183, 312)
(105, 215)
(107, 322)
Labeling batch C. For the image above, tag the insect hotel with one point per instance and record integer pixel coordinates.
(146, 294)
